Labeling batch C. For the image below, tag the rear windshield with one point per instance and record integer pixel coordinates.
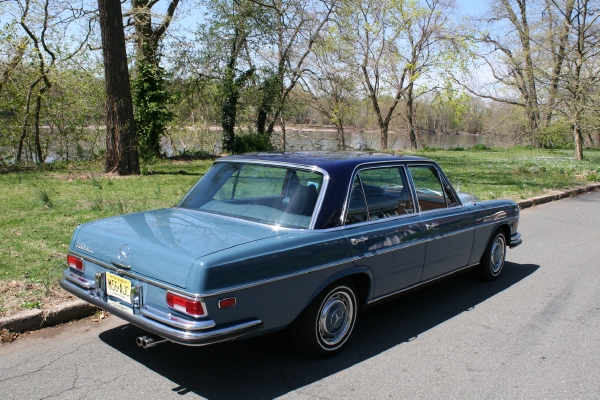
(263, 193)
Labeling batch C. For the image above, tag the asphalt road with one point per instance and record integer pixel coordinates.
(534, 333)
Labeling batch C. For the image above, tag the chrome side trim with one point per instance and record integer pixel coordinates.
(497, 222)
(218, 292)
(420, 283)
(175, 321)
(78, 279)
(279, 278)
(447, 235)
(189, 338)
(392, 248)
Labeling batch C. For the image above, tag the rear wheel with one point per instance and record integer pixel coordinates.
(325, 325)
(493, 258)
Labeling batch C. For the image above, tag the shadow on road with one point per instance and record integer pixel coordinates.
(269, 366)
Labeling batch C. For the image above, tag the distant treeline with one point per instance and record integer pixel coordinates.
(527, 71)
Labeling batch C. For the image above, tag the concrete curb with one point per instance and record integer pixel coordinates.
(547, 198)
(29, 320)
(35, 319)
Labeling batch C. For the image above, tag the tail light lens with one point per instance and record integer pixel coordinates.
(75, 263)
(193, 307)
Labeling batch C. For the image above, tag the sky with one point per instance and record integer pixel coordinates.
(466, 7)
(471, 7)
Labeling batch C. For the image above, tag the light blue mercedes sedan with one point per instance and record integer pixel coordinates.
(303, 240)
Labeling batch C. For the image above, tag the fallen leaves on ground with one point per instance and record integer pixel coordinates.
(6, 336)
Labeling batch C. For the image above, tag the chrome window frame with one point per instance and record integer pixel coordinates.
(375, 165)
(304, 167)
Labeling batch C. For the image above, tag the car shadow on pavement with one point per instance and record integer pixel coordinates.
(269, 366)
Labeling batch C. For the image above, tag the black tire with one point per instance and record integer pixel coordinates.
(493, 258)
(325, 325)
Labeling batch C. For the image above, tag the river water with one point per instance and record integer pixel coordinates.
(299, 139)
(307, 139)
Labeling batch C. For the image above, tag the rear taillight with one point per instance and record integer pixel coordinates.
(185, 305)
(75, 263)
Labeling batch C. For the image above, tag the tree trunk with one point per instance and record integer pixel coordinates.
(341, 135)
(578, 142)
(25, 124)
(38, 146)
(283, 134)
(121, 151)
(409, 106)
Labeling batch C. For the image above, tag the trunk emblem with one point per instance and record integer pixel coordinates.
(123, 253)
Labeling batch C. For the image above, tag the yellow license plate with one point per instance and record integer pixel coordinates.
(118, 287)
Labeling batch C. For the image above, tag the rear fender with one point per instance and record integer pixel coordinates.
(343, 274)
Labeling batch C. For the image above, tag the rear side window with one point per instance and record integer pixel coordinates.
(379, 193)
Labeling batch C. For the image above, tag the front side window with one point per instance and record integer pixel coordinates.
(269, 194)
(379, 193)
(431, 194)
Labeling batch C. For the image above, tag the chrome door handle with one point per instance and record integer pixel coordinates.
(357, 241)
(431, 226)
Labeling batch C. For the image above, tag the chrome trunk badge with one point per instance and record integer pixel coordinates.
(83, 247)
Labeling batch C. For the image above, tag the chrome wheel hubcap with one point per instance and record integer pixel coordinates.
(335, 318)
(497, 255)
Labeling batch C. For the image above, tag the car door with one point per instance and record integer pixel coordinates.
(384, 228)
(448, 224)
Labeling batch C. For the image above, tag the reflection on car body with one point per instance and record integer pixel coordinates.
(301, 239)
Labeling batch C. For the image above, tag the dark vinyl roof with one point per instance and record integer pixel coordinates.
(338, 164)
(327, 160)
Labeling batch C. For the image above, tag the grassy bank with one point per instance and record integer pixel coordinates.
(516, 173)
(40, 209)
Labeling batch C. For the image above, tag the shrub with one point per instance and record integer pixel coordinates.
(557, 135)
(481, 147)
(253, 141)
(428, 149)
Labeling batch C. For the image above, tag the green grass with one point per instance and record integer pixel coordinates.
(515, 173)
(40, 209)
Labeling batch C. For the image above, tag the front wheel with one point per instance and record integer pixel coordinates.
(493, 258)
(325, 325)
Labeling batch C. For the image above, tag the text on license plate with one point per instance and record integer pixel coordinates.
(118, 287)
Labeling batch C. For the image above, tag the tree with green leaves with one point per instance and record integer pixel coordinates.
(331, 85)
(150, 98)
(396, 44)
(581, 75)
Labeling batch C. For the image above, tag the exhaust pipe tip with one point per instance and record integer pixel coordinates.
(140, 341)
(144, 341)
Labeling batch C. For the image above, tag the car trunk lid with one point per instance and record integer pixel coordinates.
(163, 244)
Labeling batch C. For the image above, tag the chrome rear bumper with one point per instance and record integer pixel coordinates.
(149, 319)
